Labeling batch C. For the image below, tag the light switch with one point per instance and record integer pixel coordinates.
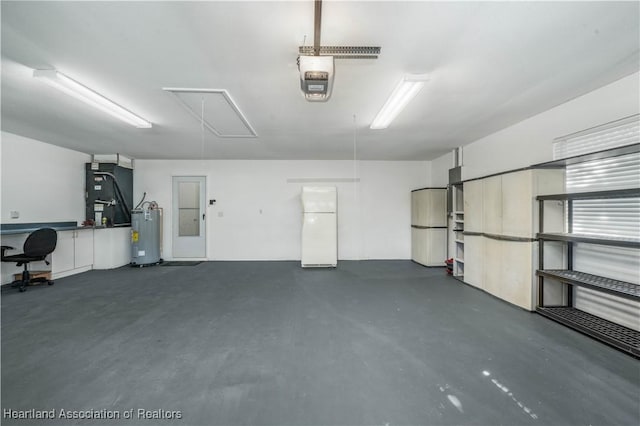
(220, 214)
(15, 215)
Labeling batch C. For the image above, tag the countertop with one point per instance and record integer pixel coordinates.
(25, 228)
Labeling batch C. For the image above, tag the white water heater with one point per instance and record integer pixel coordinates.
(146, 236)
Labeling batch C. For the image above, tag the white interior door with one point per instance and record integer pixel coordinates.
(189, 219)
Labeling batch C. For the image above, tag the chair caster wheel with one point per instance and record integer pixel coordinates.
(22, 290)
(50, 282)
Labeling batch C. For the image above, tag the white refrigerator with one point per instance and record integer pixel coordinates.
(319, 226)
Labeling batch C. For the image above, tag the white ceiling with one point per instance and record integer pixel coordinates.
(492, 64)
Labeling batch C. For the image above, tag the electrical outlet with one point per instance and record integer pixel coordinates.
(15, 215)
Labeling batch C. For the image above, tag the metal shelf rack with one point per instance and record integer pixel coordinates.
(582, 279)
(620, 337)
(616, 335)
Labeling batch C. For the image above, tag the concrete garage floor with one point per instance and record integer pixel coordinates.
(267, 343)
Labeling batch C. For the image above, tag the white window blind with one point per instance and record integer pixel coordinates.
(625, 131)
(607, 217)
(601, 175)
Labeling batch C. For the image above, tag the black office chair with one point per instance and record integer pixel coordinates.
(38, 245)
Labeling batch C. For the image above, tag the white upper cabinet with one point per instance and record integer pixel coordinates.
(492, 205)
(429, 207)
(473, 209)
(414, 207)
(518, 204)
(508, 204)
(437, 207)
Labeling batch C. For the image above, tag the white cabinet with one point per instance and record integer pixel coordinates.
(473, 209)
(73, 253)
(505, 204)
(517, 202)
(492, 205)
(474, 264)
(517, 274)
(62, 258)
(429, 226)
(429, 246)
(508, 271)
(492, 265)
(83, 256)
(429, 207)
(415, 207)
(436, 208)
(501, 215)
(111, 247)
(519, 207)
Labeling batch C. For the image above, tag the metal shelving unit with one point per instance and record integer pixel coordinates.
(616, 335)
(591, 239)
(582, 279)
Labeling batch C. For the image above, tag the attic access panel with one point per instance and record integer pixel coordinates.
(217, 110)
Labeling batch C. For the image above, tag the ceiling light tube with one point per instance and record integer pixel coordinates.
(72, 88)
(406, 90)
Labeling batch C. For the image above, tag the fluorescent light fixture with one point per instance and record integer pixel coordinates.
(72, 88)
(406, 90)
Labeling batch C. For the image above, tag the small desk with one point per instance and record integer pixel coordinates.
(79, 248)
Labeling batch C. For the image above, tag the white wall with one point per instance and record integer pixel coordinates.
(261, 210)
(440, 170)
(43, 182)
(530, 141)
